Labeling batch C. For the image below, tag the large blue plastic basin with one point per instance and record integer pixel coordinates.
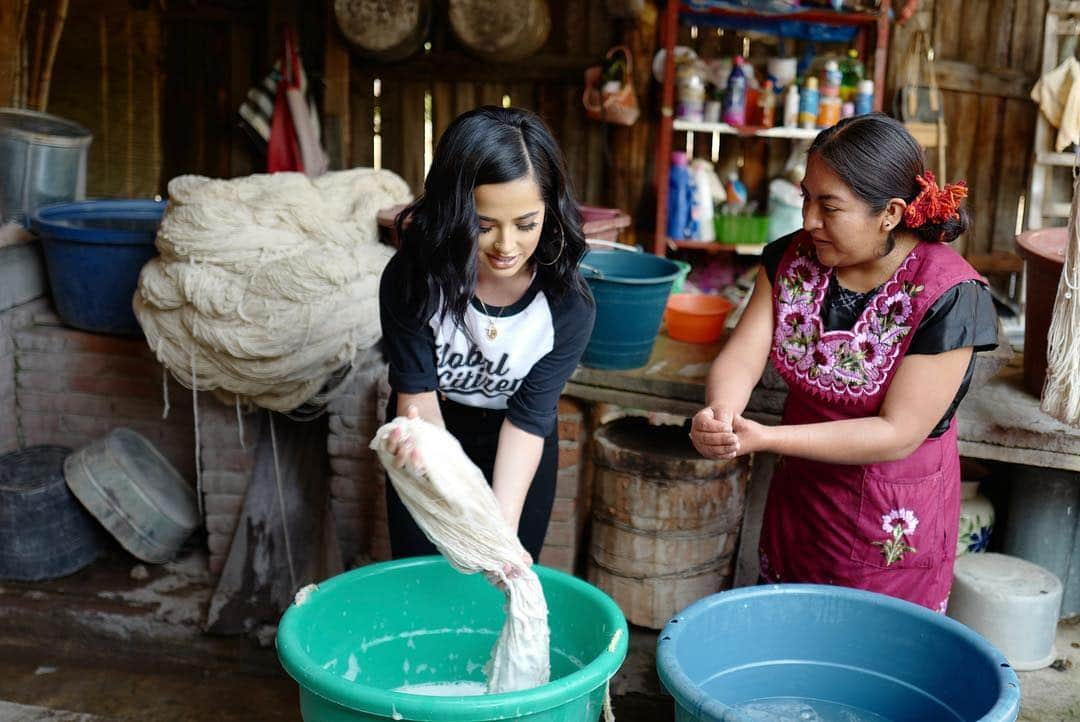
(631, 291)
(823, 653)
(94, 251)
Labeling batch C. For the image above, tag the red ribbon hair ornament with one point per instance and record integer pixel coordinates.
(934, 204)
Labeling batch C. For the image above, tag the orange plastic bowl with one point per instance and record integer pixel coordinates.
(695, 317)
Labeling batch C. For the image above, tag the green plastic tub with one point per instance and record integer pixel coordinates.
(360, 635)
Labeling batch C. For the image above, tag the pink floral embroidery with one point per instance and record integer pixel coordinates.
(844, 364)
(943, 607)
(898, 523)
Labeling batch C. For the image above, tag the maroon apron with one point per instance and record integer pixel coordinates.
(888, 527)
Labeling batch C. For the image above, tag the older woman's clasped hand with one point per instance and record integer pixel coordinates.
(717, 433)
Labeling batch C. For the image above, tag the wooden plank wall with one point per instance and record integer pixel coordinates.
(549, 83)
(988, 57)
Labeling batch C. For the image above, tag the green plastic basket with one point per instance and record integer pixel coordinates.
(741, 230)
(362, 634)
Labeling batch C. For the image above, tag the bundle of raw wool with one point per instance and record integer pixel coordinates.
(266, 286)
(456, 509)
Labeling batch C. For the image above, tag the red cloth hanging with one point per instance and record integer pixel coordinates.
(283, 149)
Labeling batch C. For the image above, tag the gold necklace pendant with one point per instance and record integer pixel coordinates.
(492, 332)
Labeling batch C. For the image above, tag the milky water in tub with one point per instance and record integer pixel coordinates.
(445, 689)
(794, 709)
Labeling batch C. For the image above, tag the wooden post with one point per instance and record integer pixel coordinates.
(12, 18)
(336, 104)
(629, 180)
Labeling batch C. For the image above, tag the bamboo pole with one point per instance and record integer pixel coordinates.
(50, 58)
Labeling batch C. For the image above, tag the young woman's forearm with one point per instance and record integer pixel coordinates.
(516, 461)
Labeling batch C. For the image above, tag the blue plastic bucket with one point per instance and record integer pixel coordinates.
(631, 291)
(803, 651)
(94, 251)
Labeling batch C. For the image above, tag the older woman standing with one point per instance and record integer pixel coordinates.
(873, 321)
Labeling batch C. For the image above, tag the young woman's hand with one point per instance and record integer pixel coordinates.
(402, 447)
(751, 436)
(712, 433)
(511, 571)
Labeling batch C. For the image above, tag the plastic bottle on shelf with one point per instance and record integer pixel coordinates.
(680, 198)
(768, 105)
(735, 106)
(829, 111)
(830, 80)
(852, 72)
(691, 91)
(847, 109)
(808, 104)
(791, 106)
(702, 208)
(864, 98)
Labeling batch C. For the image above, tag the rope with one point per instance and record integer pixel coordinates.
(240, 423)
(1061, 392)
(272, 278)
(281, 503)
(165, 393)
(198, 445)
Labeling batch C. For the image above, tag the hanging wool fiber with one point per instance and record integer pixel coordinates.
(267, 285)
(1061, 393)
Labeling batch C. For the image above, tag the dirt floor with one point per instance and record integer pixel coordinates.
(121, 641)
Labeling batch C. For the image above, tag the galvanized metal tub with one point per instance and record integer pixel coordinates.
(42, 161)
(135, 493)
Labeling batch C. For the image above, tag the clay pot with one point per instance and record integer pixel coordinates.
(1044, 253)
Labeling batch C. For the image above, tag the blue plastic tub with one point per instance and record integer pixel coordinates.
(94, 251)
(823, 653)
(631, 291)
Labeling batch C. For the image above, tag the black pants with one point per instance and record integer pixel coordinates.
(478, 432)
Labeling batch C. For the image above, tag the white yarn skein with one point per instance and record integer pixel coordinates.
(273, 279)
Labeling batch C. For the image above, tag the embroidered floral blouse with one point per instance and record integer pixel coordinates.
(963, 316)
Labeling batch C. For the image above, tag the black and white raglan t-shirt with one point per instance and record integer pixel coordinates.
(538, 344)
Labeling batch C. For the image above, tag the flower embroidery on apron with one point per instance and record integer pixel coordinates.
(839, 365)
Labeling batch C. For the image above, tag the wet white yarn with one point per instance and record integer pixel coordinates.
(267, 284)
(1061, 392)
(456, 509)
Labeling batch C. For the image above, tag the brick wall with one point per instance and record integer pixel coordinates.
(563, 541)
(11, 320)
(73, 387)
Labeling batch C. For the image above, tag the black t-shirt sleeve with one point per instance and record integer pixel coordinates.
(409, 343)
(534, 407)
(773, 253)
(963, 316)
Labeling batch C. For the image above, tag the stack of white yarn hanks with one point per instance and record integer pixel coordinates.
(267, 285)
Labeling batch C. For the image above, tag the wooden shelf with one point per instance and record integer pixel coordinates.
(825, 17)
(741, 249)
(746, 131)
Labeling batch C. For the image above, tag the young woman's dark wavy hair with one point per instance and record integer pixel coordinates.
(878, 159)
(439, 230)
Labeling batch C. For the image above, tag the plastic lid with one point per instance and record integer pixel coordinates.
(42, 128)
(811, 83)
(852, 53)
(678, 157)
(866, 87)
(739, 60)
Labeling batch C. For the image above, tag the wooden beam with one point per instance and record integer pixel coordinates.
(337, 101)
(11, 16)
(969, 78)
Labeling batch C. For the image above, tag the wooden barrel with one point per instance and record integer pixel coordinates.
(501, 30)
(384, 29)
(665, 521)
